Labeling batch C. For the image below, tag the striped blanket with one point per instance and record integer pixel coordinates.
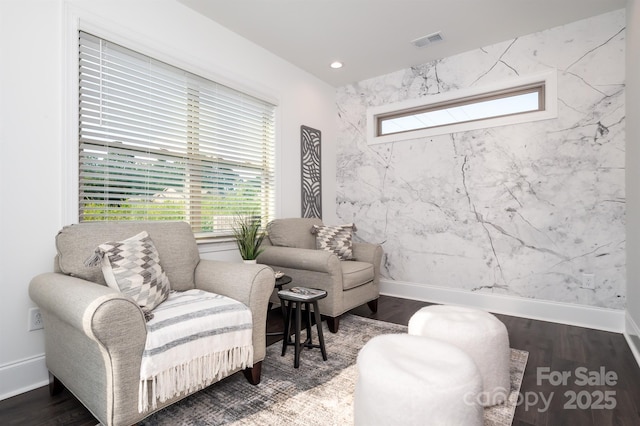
(194, 338)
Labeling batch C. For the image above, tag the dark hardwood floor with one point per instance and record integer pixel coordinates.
(553, 348)
(557, 349)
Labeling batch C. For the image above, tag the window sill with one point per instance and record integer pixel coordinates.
(213, 245)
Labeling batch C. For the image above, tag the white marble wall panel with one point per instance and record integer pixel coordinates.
(522, 210)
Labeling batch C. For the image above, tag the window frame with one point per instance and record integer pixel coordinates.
(75, 20)
(547, 82)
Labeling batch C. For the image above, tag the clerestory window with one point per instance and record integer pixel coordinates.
(525, 99)
(159, 143)
(518, 100)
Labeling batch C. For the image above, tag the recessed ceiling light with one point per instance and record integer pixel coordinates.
(336, 64)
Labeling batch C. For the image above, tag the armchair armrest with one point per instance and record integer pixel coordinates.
(298, 258)
(93, 335)
(372, 253)
(249, 284)
(75, 301)
(238, 281)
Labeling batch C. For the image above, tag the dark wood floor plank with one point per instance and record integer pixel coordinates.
(557, 347)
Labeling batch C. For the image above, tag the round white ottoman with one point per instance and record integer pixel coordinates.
(480, 334)
(411, 380)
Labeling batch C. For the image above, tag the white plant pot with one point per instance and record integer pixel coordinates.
(250, 261)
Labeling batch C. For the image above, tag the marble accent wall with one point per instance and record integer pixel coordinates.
(522, 210)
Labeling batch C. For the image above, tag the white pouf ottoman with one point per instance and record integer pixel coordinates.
(411, 380)
(480, 334)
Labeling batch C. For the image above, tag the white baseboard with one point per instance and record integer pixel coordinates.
(564, 313)
(23, 376)
(632, 334)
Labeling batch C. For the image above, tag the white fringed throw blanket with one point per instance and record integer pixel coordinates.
(194, 338)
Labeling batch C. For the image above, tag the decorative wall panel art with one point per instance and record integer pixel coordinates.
(311, 183)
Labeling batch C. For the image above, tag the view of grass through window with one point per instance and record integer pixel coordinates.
(159, 143)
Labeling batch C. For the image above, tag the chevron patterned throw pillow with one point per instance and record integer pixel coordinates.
(132, 266)
(336, 239)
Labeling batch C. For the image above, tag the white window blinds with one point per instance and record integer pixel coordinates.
(159, 143)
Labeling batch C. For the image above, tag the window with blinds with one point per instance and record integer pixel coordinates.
(160, 143)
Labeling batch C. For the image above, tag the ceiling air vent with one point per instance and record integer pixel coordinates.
(428, 39)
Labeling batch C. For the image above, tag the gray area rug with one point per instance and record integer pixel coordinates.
(317, 393)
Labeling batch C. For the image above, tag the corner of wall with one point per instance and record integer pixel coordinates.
(632, 334)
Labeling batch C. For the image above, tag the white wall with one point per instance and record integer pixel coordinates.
(37, 159)
(633, 175)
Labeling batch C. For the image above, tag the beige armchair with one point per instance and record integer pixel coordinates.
(290, 247)
(95, 335)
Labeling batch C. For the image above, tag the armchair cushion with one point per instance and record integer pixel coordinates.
(195, 338)
(132, 266)
(335, 239)
(294, 232)
(355, 274)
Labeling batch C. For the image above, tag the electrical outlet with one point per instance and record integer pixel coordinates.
(35, 319)
(589, 281)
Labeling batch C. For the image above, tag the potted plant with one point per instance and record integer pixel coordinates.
(248, 235)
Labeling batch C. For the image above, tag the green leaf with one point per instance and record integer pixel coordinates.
(247, 231)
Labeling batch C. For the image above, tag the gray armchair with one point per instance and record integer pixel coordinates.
(95, 336)
(290, 247)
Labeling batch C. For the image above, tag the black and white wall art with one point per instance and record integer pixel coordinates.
(311, 179)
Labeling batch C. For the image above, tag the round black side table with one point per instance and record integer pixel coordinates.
(283, 280)
(308, 297)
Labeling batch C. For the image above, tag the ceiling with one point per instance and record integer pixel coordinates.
(372, 37)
